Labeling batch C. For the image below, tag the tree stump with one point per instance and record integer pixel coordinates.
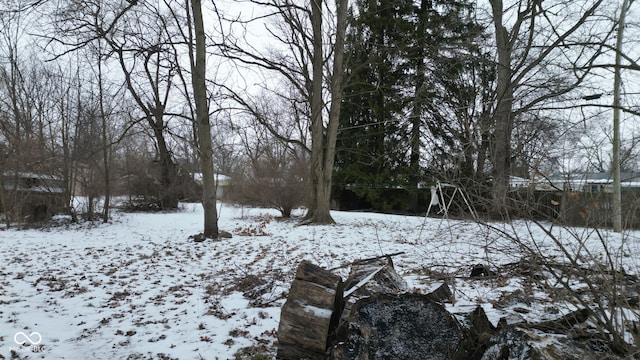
(310, 315)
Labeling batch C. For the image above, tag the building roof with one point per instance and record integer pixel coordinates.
(32, 182)
(593, 177)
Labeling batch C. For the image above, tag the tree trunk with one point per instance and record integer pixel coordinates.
(154, 112)
(3, 204)
(503, 116)
(205, 151)
(416, 110)
(320, 198)
(337, 80)
(168, 195)
(66, 156)
(485, 131)
(105, 144)
(323, 146)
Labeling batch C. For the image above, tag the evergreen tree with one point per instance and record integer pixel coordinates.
(404, 58)
(372, 147)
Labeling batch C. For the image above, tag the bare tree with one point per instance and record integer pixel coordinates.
(27, 145)
(303, 64)
(135, 35)
(197, 58)
(530, 37)
(194, 87)
(106, 150)
(323, 145)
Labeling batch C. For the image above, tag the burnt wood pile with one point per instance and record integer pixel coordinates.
(372, 316)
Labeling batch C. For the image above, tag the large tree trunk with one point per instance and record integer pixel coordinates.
(485, 128)
(416, 110)
(205, 151)
(320, 198)
(168, 196)
(323, 146)
(501, 154)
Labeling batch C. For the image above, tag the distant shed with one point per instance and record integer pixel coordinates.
(32, 197)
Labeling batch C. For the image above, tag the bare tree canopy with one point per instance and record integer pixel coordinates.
(379, 97)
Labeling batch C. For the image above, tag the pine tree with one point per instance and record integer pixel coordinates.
(372, 151)
(403, 57)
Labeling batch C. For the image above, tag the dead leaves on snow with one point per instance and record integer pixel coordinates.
(255, 230)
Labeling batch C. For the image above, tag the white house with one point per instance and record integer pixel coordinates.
(587, 182)
(223, 183)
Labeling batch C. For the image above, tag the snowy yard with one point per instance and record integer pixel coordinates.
(138, 288)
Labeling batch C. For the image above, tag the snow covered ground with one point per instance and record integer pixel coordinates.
(138, 288)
